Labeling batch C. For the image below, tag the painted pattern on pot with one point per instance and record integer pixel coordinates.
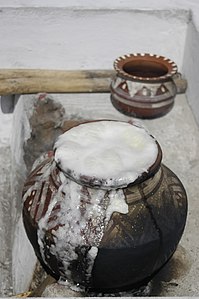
(143, 86)
(103, 239)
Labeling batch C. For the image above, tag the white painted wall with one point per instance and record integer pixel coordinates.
(23, 260)
(22, 255)
(88, 34)
(191, 67)
(5, 216)
(61, 38)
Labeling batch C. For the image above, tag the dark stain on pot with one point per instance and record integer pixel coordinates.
(171, 274)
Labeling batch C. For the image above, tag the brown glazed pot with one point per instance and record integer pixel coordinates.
(134, 246)
(143, 86)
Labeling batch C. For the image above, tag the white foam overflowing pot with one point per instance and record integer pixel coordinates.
(101, 211)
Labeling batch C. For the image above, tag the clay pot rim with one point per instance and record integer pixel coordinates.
(96, 183)
(167, 63)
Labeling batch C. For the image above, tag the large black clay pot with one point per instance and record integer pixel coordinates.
(120, 254)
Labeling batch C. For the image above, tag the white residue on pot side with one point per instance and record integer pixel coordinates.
(117, 203)
(83, 216)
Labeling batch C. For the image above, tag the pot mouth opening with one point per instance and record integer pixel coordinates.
(145, 67)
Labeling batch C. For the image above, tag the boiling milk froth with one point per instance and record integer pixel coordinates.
(114, 152)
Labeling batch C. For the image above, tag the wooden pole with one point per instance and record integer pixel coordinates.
(24, 81)
(54, 81)
(39, 73)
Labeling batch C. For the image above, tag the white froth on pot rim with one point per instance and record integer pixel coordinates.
(106, 153)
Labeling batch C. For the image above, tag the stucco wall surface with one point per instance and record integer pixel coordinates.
(191, 66)
(61, 38)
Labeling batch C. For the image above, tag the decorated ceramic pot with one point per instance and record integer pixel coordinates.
(143, 86)
(101, 211)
